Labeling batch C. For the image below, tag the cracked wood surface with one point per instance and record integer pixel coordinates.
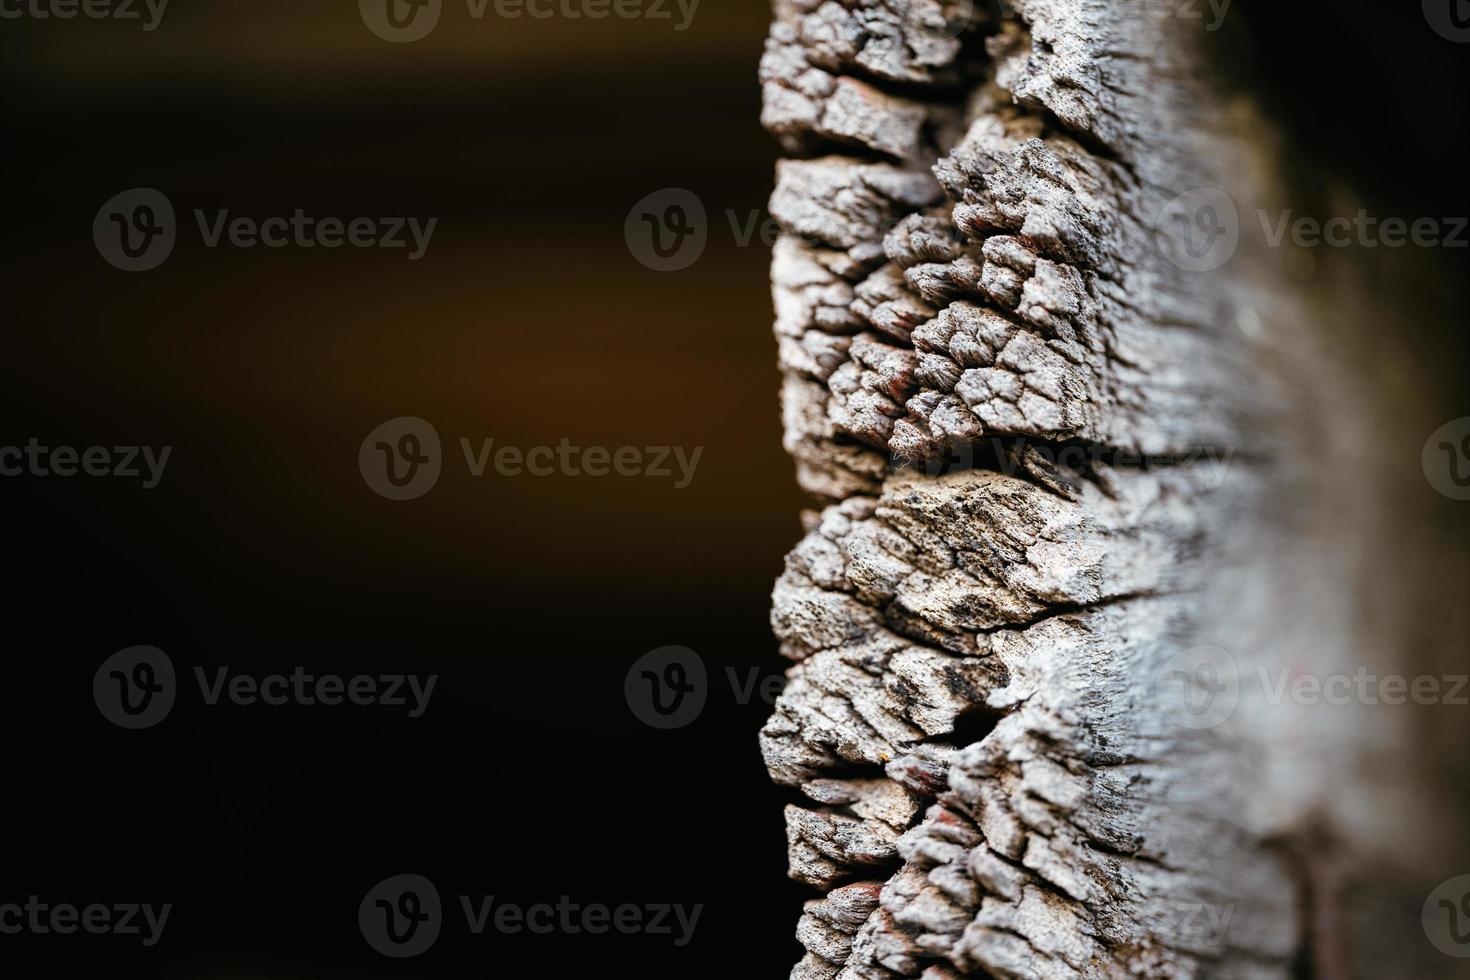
(967, 287)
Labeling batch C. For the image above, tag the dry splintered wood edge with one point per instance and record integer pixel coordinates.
(1002, 774)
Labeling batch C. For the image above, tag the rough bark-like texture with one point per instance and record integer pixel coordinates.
(1032, 302)
(1052, 465)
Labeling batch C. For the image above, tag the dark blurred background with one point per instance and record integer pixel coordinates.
(528, 320)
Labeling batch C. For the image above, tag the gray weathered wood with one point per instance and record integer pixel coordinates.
(1052, 463)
